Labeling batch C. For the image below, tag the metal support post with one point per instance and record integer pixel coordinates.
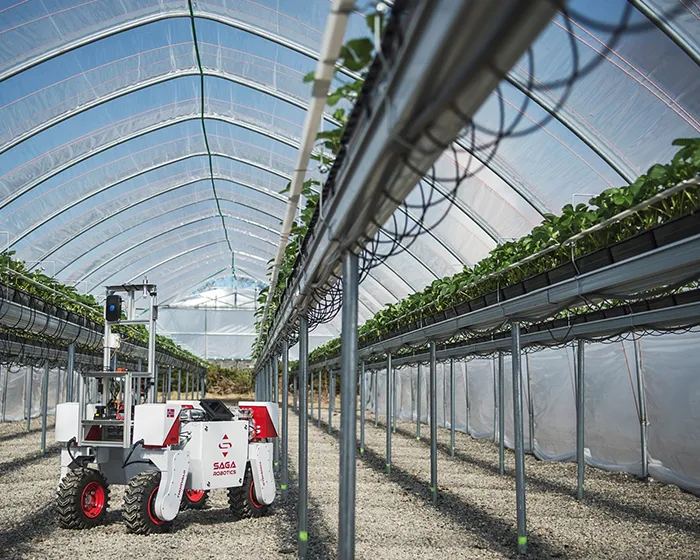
(30, 372)
(303, 436)
(284, 477)
(418, 403)
(187, 385)
(330, 401)
(495, 401)
(501, 413)
(58, 387)
(376, 398)
(296, 393)
(44, 407)
(204, 384)
(432, 395)
(518, 437)
(641, 395)
(452, 408)
(70, 378)
(155, 383)
(6, 379)
(530, 407)
(363, 405)
(389, 369)
(348, 409)
(275, 398)
(580, 400)
(179, 383)
(170, 381)
(320, 381)
(466, 396)
(394, 408)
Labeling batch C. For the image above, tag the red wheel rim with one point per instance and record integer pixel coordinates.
(151, 504)
(194, 495)
(255, 503)
(92, 500)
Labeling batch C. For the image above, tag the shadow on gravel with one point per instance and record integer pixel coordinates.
(21, 435)
(499, 535)
(34, 527)
(629, 512)
(15, 464)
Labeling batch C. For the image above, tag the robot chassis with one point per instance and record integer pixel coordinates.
(169, 455)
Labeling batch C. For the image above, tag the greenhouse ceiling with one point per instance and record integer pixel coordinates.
(155, 138)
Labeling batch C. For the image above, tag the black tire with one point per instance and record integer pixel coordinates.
(242, 500)
(139, 501)
(190, 501)
(82, 499)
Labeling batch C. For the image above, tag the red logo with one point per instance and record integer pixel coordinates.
(170, 413)
(225, 445)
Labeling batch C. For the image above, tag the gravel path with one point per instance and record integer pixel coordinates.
(620, 516)
(474, 518)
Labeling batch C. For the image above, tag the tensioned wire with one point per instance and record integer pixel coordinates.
(204, 126)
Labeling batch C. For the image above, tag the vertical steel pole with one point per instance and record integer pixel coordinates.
(187, 385)
(275, 398)
(296, 388)
(376, 398)
(432, 395)
(58, 388)
(348, 409)
(643, 419)
(495, 401)
(580, 400)
(466, 396)
(4, 392)
(518, 436)
(170, 381)
(452, 407)
(389, 369)
(330, 401)
(320, 382)
(530, 406)
(303, 435)
(70, 379)
(501, 413)
(30, 372)
(204, 383)
(179, 383)
(285, 418)
(394, 408)
(418, 403)
(44, 407)
(363, 406)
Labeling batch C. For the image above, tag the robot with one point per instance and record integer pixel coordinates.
(169, 455)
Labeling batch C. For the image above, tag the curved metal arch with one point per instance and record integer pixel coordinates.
(161, 126)
(154, 82)
(146, 199)
(621, 168)
(112, 237)
(153, 18)
(123, 139)
(181, 270)
(142, 242)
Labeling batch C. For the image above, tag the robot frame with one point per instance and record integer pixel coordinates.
(169, 455)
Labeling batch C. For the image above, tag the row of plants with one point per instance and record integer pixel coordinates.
(546, 256)
(66, 302)
(356, 55)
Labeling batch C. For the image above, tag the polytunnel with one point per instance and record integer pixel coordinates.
(432, 219)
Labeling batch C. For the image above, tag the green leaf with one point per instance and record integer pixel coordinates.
(310, 77)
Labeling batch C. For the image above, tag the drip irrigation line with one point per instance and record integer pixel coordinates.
(204, 126)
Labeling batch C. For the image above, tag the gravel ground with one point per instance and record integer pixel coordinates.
(474, 518)
(620, 517)
(28, 528)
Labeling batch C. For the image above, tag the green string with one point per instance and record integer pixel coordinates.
(204, 126)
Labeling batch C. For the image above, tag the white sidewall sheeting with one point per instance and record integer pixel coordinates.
(14, 383)
(671, 379)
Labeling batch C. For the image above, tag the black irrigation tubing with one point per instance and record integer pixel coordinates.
(204, 126)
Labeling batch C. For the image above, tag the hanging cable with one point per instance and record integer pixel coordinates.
(204, 126)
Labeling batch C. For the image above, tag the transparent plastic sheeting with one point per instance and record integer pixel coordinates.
(669, 367)
(14, 388)
(224, 334)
